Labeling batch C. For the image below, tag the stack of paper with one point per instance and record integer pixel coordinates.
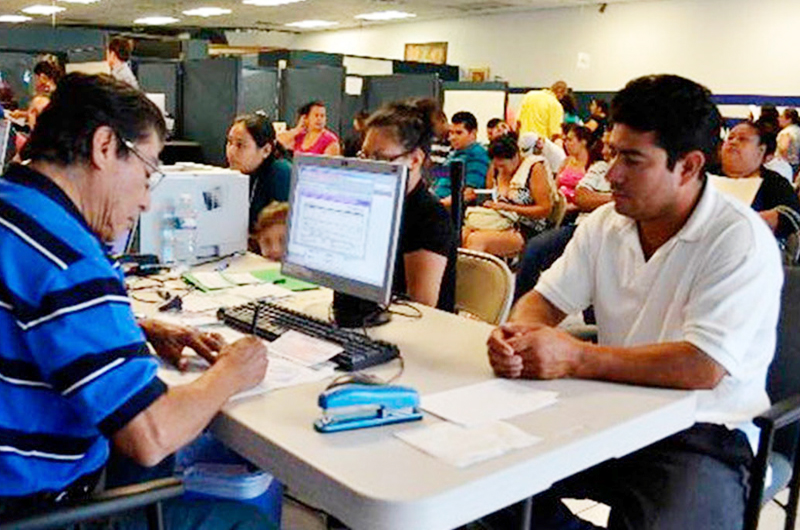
(476, 434)
(463, 446)
(493, 400)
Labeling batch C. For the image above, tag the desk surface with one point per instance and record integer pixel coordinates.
(373, 481)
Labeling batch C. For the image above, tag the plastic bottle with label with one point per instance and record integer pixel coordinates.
(185, 232)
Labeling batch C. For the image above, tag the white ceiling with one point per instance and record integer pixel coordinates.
(122, 13)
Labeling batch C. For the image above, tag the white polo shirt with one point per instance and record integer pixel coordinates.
(716, 284)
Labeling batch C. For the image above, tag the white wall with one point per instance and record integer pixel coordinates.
(732, 46)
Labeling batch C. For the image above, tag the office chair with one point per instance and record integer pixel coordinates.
(778, 448)
(484, 286)
(147, 495)
(457, 205)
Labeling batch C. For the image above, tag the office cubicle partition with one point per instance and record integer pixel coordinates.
(302, 85)
(382, 89)
(215, 91)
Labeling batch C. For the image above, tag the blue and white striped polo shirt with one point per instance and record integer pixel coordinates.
(74, 367)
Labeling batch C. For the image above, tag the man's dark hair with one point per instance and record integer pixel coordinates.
(259, 126)
(679, 111)
(122, 47)
(305, 110)
(505, 147)
(50, 70)
(494, 122)
(467, 119)
(80, 105)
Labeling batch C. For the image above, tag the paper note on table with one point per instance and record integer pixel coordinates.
(240, 278)
(304, 350)
(281, 373)
(489, 401)
(743, 189)
(462, 446)
(208, 280)
(257, 292)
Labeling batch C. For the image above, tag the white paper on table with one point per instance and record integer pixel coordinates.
(281, 373)
(304, 350)
(241, 278)
(188, 319)
(463, 446)
(257, 292)
(195, 302)
(212, 280)
(493, 400)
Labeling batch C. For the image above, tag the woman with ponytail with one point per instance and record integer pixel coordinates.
(402, 133)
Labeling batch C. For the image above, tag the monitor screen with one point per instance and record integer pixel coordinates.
(344, 224)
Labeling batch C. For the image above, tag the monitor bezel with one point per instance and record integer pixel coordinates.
(379, 294)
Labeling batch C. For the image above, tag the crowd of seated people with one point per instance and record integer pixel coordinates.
(527, 176)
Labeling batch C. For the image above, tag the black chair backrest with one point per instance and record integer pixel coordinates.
(784, 373)
(457, 197)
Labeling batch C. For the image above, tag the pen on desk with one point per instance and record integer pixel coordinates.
(254, 325)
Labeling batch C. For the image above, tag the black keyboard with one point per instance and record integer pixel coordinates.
(359, 352)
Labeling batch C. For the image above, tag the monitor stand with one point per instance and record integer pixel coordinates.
(352, 312)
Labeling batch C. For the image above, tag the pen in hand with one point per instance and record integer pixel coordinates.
(254, 325)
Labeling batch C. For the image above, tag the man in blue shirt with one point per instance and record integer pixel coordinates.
(75, 372)
(463, 140)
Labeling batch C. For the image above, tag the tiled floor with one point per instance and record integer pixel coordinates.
(295, 517)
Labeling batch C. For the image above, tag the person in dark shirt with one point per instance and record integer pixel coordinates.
(251, 150)
(401, 133)
(742, 157)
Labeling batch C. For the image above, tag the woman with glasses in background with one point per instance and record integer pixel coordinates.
(401, 133)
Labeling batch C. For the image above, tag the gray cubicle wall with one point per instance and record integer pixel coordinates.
(164, 78)
(259, 91)
(301, 85)
(215, 91)
(381, 89)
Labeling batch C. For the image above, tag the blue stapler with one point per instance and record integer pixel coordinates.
(356, 406)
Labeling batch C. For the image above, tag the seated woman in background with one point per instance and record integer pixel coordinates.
(251, 150)
(578, 145)
(401, 133)
(742, 157)
(310, 135)
(524, 188)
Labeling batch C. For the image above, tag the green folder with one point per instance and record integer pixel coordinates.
(275, 276)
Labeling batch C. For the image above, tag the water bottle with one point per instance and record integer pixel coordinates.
(185, 232)
(168, 236)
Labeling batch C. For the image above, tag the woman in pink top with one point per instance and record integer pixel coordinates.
(579, 157)
(310, 135)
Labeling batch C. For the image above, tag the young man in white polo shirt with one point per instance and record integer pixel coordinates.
(685, 285)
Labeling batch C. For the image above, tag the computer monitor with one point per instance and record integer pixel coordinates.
(220, 197)
(343, 231)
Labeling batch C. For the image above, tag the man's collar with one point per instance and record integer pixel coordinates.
(699, 219)
(25, 176)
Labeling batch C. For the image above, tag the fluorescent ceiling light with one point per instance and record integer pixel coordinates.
(43, 10)
(155, 21)
(267, 3)
(308, 24)
(79, 1)
(207, 12)
(385, 15)
(14, 18)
